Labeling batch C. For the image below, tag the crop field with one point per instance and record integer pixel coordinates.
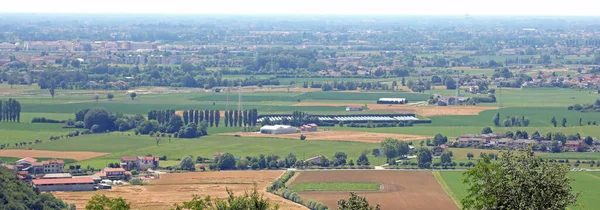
(398, 190)
(585, 183)
(351, 136)
(176, 188)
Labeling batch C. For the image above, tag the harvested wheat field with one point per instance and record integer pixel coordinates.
(324, 104)
(176, 188)
(429, 111)
(398, 190)
(354, 136)
(51, 154)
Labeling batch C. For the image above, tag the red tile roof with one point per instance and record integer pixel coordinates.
(128, 158)
(63, 181)
(150, 158)
(113, 170)
(28, 159)
(37, 164)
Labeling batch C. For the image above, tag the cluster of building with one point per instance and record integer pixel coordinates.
(498, 140)
(49, 175)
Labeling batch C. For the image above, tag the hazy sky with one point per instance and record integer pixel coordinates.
(408, 7)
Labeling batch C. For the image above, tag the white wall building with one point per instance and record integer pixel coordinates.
(278, 129)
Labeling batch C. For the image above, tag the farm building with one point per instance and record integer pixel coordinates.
(277, 129)
(358, 118)
(309, 127)
(114, 173)
(391, 101)
(64, 184)
(44, 167)
(353, 108)
(57, 176)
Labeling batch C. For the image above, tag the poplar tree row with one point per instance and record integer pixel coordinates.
(162, 116)
(10, 110)
(212, 117)
(241, 118)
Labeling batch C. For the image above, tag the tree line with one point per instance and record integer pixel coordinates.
(10, 110)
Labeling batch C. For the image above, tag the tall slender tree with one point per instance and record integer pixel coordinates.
(240, 118)
(235, 118)
(211, 116)
(217, 117)
(191, 115)
(196, 117)
(245, 118)
(226, 118)
(185, 117)
(200, 115)
(207, 116)
(231, 121)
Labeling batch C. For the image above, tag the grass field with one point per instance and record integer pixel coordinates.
(336, 186)
(130, 145)
(13, 159)
(585, 183)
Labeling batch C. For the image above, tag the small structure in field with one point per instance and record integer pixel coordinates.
(139, 163)
(309, 127)
(64, 184)
(391, 101)
(278, 129)
(353, 108)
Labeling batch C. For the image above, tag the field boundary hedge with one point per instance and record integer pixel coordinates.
(279, 188)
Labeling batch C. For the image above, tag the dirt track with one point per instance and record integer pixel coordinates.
(51, 154)
(399, 189)
(354, 136)
(177, 188)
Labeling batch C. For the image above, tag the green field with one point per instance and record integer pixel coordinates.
(13, 159)
(585, 183)
(336, 186)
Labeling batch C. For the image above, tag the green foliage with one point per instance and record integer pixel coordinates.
(10, 110)
(356, 202)
(520, 181)
(97, 116)
(281, 181)
(187, 163)
(226, 162)
(393, 148)
(363, 160)
(424, 157)
(16, 194)
(486, 130)
(439, 139)
(248, 201)
(101, 202)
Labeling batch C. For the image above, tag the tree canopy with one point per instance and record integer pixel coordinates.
(518, 181)
(17, 194)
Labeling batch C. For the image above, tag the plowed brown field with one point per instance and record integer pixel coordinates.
(176, 188)
(399, 189)
(51, 154)
(355, 136)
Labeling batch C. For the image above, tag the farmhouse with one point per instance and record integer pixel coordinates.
(353, 108)
(114, 173)
(277, 129)
(45, 167)
(438, 150)
(64, 184)
(316, 160)
(391, 101)
(573, 146)
(138, 162)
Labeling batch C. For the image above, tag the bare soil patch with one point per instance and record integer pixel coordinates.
(426, 111)
(429, 111)
(353, 136)
(177, 188)
(79, 156)
(399, 189)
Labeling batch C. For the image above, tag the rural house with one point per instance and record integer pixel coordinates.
(573, 146)
(44, 167)
(114, 173)
(438, 150)
(139, 162)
